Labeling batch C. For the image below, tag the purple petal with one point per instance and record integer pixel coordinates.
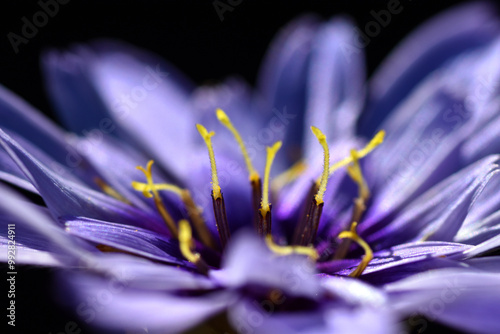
(462, 298)
(335, 84)
(127, 238)
(249, 317)
(141, 97)
(439, 40)
(65, 198)
(404, 260)
(40, 232)
(283, 78)
(354, 291)
(20, 117)
(114, 305)
(249, 261)
(72, 94)
(439, 213)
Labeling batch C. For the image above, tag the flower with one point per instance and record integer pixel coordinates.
(169, 246)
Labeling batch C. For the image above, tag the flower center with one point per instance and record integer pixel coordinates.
(306, 229)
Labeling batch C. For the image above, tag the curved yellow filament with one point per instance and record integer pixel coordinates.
(353, 235)
(207, 137)
(186, 242)
(271, 153)
(376, 141)
(287, 250)
(224, 119)
(326, 164)
(356, 175)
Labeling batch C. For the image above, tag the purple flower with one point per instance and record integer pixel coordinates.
(348, 231)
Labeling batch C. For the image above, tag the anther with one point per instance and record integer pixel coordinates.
(186, 245)
(150, 188)
(264, 226)
(217, 198)
(353, 235)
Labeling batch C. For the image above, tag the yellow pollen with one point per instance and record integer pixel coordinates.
(149, 188)
(356, 175)
(353, 235)
(207, 137)
(224, 119)
(186, 242)
(271, 153)
(287, 250)
(288, 176)
(376, 141)
(326, 164)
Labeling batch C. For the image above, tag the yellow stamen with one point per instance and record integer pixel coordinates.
(108, 190)
(271, 153)
(288, 176)
(376, 141)
(353, 235)
(207, 137)
(326, 164)
(194, 212)
(356, 175)
(186, 242)
(224, 119)
(287, 250)
(149, 188)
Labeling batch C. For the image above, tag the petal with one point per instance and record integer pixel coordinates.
(461, 298)
(354, 292)
(35, 230)
(112, 304)
(442, 38)
(283, 79)
(406, 259)
(127, 238)
(148, 99)
(249, 262)
(70, 89)
(66, 198)
(335, 84)
(21, 118)
(439, 213)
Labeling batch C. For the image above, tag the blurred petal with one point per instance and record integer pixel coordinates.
(249, 261)
(440, 39)
(65, 198)
(335, 85)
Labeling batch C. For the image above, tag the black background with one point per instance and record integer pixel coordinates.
(190, 35)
